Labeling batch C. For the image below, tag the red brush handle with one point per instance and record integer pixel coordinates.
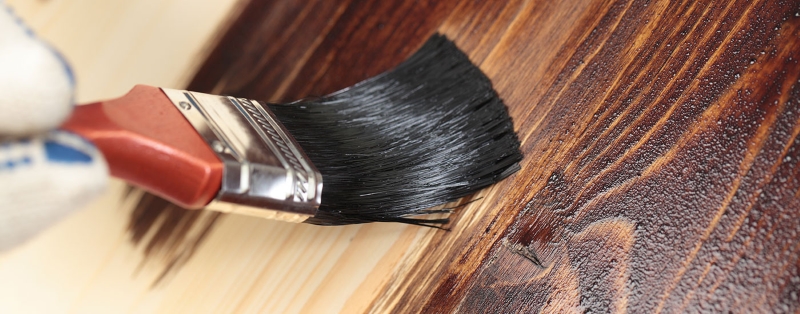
(148, 143)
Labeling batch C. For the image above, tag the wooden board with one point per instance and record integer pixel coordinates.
(91, 262)
(660, 171)
(660, 140)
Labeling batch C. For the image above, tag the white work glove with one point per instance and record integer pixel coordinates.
(44, 174)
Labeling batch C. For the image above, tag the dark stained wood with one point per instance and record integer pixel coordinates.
(661, 144)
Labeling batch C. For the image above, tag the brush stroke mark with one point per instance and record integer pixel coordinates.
(168, 233)
(309, 42)
(265, 36)
(390, 148)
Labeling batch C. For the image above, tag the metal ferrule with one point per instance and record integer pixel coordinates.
(266, 173)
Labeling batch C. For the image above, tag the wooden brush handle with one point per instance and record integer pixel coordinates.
(147, 142)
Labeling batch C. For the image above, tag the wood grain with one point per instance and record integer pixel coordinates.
(661, 151)
(670, 127)
(660, 173)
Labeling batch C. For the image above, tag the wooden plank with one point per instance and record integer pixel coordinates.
(661, 153)
(660, 170)
(88, 263)
(661, 147)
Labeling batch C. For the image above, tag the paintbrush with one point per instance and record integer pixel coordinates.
(389, 148)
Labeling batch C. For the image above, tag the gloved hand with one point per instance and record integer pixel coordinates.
(44, 174)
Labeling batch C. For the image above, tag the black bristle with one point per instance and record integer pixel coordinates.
(427, 133)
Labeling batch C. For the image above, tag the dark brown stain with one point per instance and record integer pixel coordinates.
(170, 234)
(282, 51)
(661, 144)
(683, 137)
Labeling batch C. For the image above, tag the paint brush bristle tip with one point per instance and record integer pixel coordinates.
(391, 147)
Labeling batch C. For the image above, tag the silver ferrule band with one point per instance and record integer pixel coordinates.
(265, 173)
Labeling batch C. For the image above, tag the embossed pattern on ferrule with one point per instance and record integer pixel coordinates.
(282, 145)
(265, 170)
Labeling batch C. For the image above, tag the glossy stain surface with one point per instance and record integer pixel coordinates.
(148, 143)
(661, 144)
